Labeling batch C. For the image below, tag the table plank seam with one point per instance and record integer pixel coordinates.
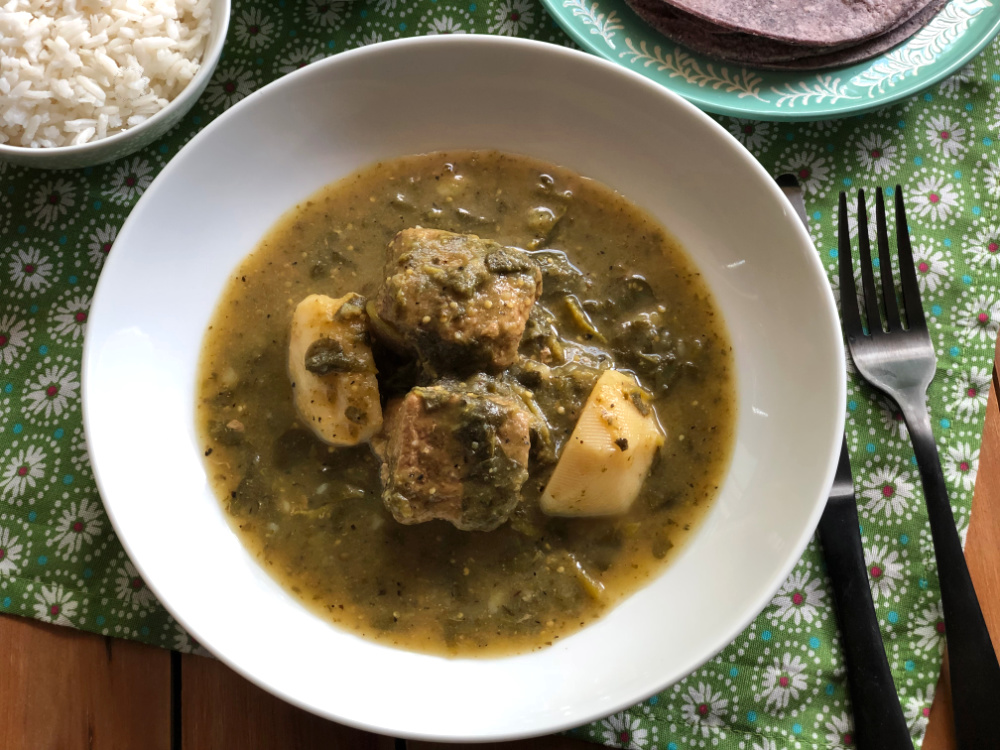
(996, 388)
(176, 703)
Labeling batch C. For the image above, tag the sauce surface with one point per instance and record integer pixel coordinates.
(617, 291)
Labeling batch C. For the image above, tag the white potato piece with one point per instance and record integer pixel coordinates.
(332, 371)
(606, 459)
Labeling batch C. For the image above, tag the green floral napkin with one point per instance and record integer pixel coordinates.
(780, 684)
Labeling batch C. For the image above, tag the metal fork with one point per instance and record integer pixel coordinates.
(879, 723)
(900, 362)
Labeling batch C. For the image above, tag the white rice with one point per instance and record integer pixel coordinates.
(73, 71)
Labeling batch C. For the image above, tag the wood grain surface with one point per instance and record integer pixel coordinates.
(60, 688)
(219, 709)
(67, 690)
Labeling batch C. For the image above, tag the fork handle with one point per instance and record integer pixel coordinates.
(878, 719)
(975, 673)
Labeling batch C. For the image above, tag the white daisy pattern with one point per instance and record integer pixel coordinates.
(799, 598)
(298, 58)
(52, 200)
(10, 552)
(78, 450)
(892, 418)
(991, 177)
(624, 730)
(933, 197)
(751, 133)
(932, 268)
(885, 570)
(326, 13)
(784, 681)
(840, 731)
(970, 391)
(961, 464)
(930, 628)
(100, 242)
(811, 168)
(71, 317)
(53, 392)
(371, 38)
(130, 180)
(945, 136)
(982, 246)
(30, 269)
(230, 84)
(444, 25)
(703, 708)
(512, 17)
(183, 641)
(79, 525)
(13, 338)
(22, 472)
(953, 83)
(877, 153)
(979, 319)
(917, 710)
(253, 29)
(888, 490)
(130, 588)
(56, 605)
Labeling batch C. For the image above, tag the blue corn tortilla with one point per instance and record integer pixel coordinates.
(764, 52)
(810, 23)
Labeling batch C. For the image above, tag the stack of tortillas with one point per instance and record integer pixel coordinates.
(788, 33)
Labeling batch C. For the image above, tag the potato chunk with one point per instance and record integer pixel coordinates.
(606, 459)
(332, 371)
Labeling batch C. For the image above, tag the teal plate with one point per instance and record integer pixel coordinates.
(610, 29)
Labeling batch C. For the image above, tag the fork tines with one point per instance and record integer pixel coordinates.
(912, 307)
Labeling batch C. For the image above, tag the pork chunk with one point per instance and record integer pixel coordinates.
(454, 454)
(459, 302)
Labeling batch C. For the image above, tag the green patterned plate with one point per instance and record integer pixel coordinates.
(610, 29)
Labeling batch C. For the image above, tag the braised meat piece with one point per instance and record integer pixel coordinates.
(455, 451)
(459, 302)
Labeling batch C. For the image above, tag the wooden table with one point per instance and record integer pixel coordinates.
(67, 690)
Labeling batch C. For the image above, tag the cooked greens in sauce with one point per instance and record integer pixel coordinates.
(465, 402)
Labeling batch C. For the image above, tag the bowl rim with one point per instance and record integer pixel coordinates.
(512, 45)
(209, 59)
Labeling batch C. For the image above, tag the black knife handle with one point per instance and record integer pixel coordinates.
(878, 718)
(972, 662)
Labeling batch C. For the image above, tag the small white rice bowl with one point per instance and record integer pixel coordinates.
(77, 71)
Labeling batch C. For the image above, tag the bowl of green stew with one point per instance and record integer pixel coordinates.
(491, 388)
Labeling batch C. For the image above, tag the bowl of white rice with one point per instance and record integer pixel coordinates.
(86, 81)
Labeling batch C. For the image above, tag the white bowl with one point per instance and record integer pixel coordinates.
(131, 139)
(211, 205)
